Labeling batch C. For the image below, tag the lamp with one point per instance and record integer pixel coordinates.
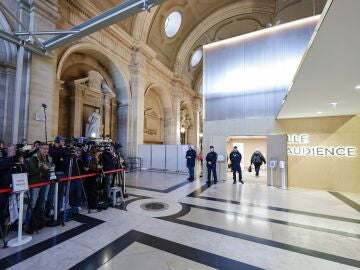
(182, 130)
(201, 134)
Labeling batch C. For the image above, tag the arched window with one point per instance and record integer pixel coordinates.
(172, 24)
(196, 57)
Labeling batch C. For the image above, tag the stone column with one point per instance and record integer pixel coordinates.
(113, 121)
(137, 84)
(194, 129)
(43, 15)
(76, 112)
(59, 86)
(175, 121)
(17, 96)
(107, 114)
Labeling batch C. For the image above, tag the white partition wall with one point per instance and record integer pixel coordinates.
(171, 157)
(145, 155)
(158, 157)
(181, 160)
(163, 157)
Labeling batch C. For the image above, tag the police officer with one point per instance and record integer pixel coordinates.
(235, 158)
(190, 162)
(211, 159)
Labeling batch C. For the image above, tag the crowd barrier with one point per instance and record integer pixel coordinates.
(64, 179)
(20, 239)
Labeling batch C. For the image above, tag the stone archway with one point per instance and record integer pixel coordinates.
(164, 101)
(113, 86)
(153, 118)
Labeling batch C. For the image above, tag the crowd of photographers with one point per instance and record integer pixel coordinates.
(46, 162)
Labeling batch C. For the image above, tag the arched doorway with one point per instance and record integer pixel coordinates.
(92, 77)
(157, 115)
(153, 118)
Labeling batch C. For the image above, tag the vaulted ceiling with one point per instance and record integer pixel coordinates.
(203, 22)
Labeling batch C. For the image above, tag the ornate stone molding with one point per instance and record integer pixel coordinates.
(48, 9)
(142, 24)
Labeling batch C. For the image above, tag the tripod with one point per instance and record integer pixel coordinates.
(71, 162)
(120, 176)
(2, 234)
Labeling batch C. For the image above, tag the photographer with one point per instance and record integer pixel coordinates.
(33, 150)
(109, 161)
(59, 155)
(78, 168)
(39, 165)
(92, 182)
(13, 163)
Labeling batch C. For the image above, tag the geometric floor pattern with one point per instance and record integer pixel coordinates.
(222, 226)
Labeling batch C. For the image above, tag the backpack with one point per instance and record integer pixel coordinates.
(257, 159)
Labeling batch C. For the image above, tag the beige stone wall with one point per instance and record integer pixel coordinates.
(42, 84)
(331, 173)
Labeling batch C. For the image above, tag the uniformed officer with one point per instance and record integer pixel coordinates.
(235, 158)
(211, 159)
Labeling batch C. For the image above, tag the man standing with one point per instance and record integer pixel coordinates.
(39, 166)
(60, 159)
(257, 159)
(190, 162)
(211, 159)
(235, 158)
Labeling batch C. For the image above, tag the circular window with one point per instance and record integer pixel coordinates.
(172, 23)
(196, 57)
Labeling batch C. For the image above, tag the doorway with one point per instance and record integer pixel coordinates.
(247, 145)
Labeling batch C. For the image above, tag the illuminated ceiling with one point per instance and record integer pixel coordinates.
(325, 84)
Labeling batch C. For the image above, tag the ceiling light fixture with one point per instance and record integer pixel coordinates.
(319, 112)
(357, 87)
(333, 104)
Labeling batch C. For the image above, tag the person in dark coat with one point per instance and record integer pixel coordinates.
(257, 159)
(235, 158)
(76, 192)
(190, 162)
(60, 159)
(211, 159)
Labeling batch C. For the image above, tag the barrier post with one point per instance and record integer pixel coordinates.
(20, 240)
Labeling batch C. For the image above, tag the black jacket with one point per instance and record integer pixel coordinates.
(108, 161)
(235, 158)
(190, 158)
(60, 158)
(212, 158)
(257, 158)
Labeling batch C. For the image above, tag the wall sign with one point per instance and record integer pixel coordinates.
(317, 150)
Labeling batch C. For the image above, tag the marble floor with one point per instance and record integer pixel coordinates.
(170, 223)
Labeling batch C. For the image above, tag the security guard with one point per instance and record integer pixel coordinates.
(211, 159)
(235, 158)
